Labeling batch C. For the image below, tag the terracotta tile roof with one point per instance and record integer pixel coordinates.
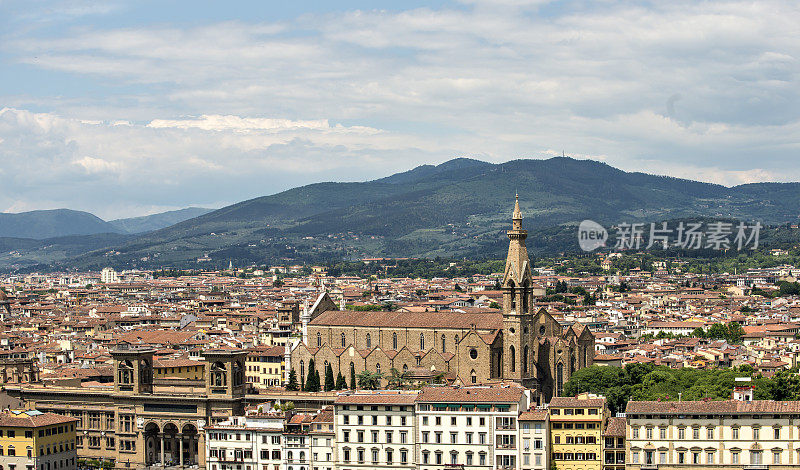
(471, 394)
(482, 321)
(533, 415)
(615, 427)
(574, 402)
(379, 398)
(24, 421)
(713, 407)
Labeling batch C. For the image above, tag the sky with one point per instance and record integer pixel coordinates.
(131, 108)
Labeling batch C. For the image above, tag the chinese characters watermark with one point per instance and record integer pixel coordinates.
(688, 236)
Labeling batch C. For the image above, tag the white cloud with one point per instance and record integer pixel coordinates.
(700, 89)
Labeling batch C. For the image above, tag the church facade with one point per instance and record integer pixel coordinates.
(520, 343)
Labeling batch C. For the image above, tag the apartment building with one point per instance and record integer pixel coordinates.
(322, 440)
(266, 366)
(576, 427)
(533, 436)
(469, 427)
(32, 440)
(614, 444)
(252, 442)
(375, 430)
(736, 433)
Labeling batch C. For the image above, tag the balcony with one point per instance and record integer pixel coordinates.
(506, 446)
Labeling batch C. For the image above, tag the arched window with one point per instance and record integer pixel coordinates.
(319, 340)
(394, 341)
(571, 364)
(513, 295)
(456, 341)
(219, 375)
(443, 345)
(344, 341)
(405, 368)
(525, 288)
(302, 370)
(126, 372)
(377, 368)
(560, 379)
(585, 356)
(422, 341)
(525, 359)
(513, 353)
(369, 341)
(473, 376)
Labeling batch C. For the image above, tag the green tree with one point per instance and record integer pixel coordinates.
(330, 384)
(396, 379)
(292, 384)
(352, 379)
(312, 379)
(341, 383)
(368, 380)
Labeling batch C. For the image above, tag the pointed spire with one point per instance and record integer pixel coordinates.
(517, 217)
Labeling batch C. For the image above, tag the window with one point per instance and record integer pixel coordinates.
(695, 458)
(344, 341)
(346, 456)
(403, 456)
(648, 433)
(443, 345)
(662, 433)
(394, 341)
(369, 341)
(710, 432)
(696, 434)
(421, 341)
(635, 433)
(776, 457)
(735, 458)
(777, 432)
(710, 458)
(374, 456)
(756, 433)
(681, 433)
(681, 457)
(319, 340)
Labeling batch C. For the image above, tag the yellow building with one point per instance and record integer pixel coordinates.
(178, 369)
(266, 366)
(32, 440)
(576, 427)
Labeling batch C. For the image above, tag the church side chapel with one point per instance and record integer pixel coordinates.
(519, 343)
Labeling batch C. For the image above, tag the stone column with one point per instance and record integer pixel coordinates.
(180, 458)
(163, 461)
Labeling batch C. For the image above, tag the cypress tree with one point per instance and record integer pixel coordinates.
(329, 383)
(292, 385)
(341, 383)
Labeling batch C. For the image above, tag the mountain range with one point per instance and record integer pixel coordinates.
(458, 208)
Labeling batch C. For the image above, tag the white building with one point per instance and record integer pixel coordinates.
(533, 437)
(737, 433)
(108, 276)
(469, 427)
(322, 441)
(375, 430)
(252, 442)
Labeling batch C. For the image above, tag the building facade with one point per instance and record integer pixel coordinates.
(520, 343)
(139, 420)
(32, 440)
(735, 434)
(576, 431)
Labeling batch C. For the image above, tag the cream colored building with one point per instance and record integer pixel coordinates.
(738, 434)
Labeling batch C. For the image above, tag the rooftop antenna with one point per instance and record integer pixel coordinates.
(562, 154)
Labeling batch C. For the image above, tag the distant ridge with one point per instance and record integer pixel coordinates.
(459, 208)
(52, 223)
(148, 223)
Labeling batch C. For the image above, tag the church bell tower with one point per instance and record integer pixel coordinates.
(518, 334)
